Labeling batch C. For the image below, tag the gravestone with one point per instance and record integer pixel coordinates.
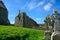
(56, 34)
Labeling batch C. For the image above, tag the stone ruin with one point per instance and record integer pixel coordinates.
(20, 20)
(3, 14)
(48, 27)
(23, 20)
(56, 34)
(48, 22)
(54, 26)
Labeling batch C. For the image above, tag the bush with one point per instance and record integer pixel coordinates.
(20, 33)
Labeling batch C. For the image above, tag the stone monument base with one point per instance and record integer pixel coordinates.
(48, 34)
(55, 36)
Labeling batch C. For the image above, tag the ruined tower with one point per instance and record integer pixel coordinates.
(18, 20)
(3, 14)
(23, 20)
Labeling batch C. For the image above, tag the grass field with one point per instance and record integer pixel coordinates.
(20, 33)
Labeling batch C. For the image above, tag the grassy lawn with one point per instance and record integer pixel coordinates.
(20, 33)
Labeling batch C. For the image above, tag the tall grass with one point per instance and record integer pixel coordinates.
(20, 33)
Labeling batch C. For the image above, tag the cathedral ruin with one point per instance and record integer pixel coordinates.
(3, 14)
(25, 21)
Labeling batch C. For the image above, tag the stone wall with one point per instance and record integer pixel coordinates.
(42, 26)
(25, 21)
(3, 14)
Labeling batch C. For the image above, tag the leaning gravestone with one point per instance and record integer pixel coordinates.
(56, 34)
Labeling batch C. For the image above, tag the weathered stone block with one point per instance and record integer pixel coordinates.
(47, 34)
(55, 36)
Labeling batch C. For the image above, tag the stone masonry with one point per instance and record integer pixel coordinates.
(25, 21)
(56, 34)
(3, 14)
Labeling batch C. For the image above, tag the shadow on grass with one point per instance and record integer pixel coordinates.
(16, 37)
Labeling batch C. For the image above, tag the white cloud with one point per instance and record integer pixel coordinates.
(47, 6)
(40, 3)
(33, 4)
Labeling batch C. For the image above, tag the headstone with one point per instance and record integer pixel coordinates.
(56, 34)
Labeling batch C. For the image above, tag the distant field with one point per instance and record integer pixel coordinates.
(20, 33)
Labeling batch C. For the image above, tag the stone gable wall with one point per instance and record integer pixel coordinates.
(25, 21)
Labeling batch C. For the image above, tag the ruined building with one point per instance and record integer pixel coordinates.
(3, 14)
(25, 21)
(56, 34)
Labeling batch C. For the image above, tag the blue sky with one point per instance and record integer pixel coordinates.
(36, 9)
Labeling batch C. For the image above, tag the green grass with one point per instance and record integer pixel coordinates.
(24, 33)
